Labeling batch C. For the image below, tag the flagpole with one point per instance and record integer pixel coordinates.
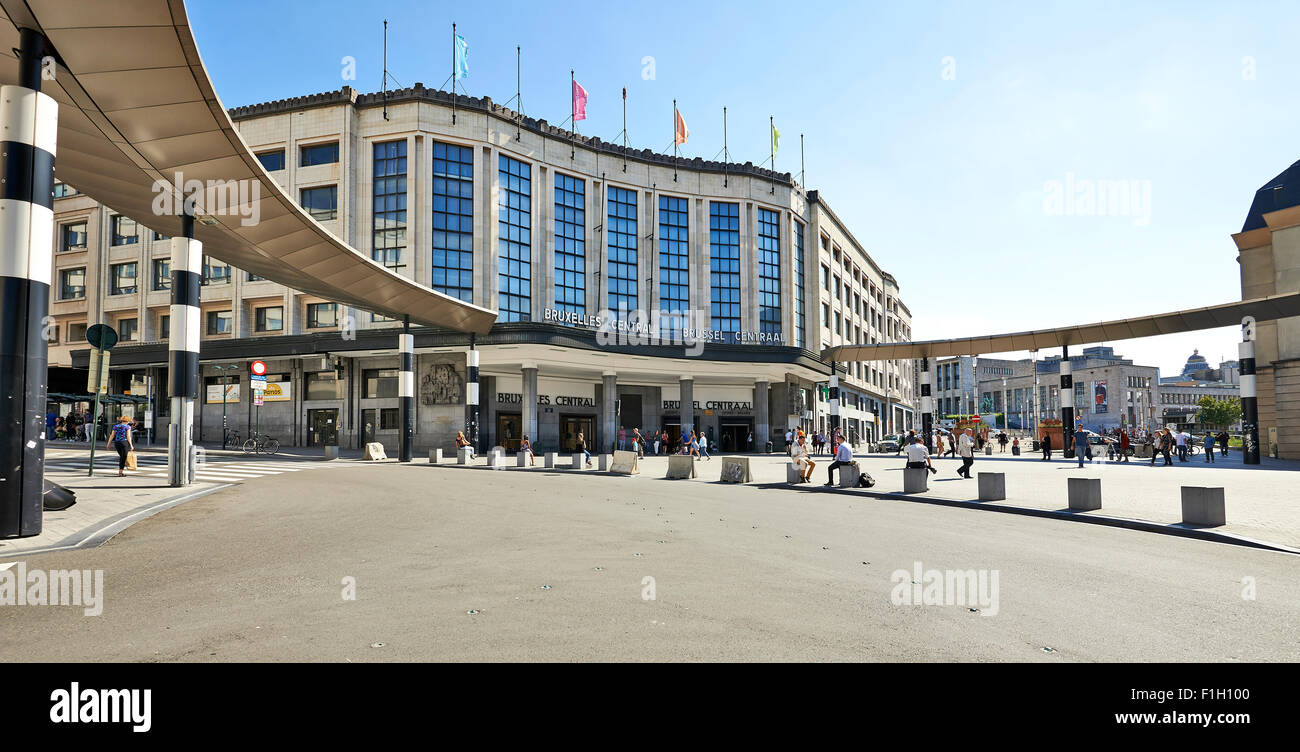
(771, 141)
(573, 116)
(803, 178)
(453, 73)
(384, 85)
(726, 177)
(624, 129)
(519, 97)
(674, 140)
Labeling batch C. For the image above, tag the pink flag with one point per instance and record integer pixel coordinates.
(579, 102)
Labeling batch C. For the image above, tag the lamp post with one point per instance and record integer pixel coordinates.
(225, 379)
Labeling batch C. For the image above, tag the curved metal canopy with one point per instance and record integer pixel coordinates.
(1194, 319)
(136, 105)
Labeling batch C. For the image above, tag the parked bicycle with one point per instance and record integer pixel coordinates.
(260, 443)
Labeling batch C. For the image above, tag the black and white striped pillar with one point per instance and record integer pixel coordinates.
(1067, 402)
(29, 120)
(183, 345)
(834, 399)
(406, 388)
(471, 396)
(927, 407)
(1249, 395)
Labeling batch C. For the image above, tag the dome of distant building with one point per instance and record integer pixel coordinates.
(1195, 363)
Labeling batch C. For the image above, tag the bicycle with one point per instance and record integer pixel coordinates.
(260, 443)
(232, 438)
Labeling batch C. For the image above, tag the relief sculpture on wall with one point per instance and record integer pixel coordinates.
(441, 384)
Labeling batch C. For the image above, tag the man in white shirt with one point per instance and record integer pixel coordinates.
(843, 456)
(965, 448)
(917, 457)
(1180, 439)
(789, 443)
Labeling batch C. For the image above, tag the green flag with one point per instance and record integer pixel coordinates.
(776, 140)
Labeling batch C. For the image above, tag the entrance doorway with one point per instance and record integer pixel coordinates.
(571, 426)
(323, 427)
(674, 438)
(509, 431)
(734, 434)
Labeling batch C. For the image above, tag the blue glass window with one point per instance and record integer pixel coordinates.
(453, 220)
(514, 240)
(319, 154)
(388, 235)
(321, 203)
(799, 321)
(769, 272)
(724, 268)
(622, 251)
(272, 161)
(674, 266)
(570, 244)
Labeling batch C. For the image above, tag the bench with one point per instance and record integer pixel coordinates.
(1085, 494)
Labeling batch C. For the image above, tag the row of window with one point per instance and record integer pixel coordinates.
(314, 154)
(123, 277)
(123, 231)
(266, 319)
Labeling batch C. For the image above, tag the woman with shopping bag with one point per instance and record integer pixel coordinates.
(120, 438)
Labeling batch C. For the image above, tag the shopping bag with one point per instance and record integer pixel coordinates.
(130, 460)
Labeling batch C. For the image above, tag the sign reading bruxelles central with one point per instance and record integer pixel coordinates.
(658, 328)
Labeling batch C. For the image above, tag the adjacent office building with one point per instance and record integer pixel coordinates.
(634, 289)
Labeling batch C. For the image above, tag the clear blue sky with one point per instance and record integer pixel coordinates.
(942, 179)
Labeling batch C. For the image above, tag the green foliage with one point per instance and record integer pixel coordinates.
(1217, 412)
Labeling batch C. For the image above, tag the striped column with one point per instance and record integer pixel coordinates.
(183, 347)
(1067, 402)
(834, 399)
(927, 407)
(1249, 401)
(29, 120)
(406, 388)
(471, 396)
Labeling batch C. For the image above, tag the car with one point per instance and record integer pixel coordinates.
(890, 443)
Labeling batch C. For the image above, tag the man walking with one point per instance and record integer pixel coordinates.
(1047, 446)
(1080, 443)
(1124, 446)
(843, 457)
(1180, 438)
(965, 447)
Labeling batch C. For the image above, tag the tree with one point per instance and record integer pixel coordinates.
(1218, 412)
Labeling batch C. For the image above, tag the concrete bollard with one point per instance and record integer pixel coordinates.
(848, 476)
(1204, 506)
(521, 459)
(793, 472)
(332, 451)
(550, 459)
(1085, 494)
(463, 455)
(494, 458)
(993, 486)
(916, 480)
(988, 449)
(577, 462)
(435, 456)
(605, 460)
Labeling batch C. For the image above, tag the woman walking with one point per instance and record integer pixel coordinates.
(120, 438)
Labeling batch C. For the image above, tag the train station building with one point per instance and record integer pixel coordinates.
(633, 289)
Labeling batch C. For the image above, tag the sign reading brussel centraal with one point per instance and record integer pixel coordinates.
(101, 336)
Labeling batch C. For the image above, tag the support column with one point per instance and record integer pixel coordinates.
(528, 400)
(406, 388)
(687, 406)
(762, 419)
(30, 129)
(927, 407)
(608, 412)
(834, 399)
(1249, 395)
(471, 396)
(1067, 402)
(183, 344)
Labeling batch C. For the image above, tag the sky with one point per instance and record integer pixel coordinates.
(959, 141)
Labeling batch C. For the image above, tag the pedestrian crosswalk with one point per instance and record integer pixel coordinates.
(217, 469)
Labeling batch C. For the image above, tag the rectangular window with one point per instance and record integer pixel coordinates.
(388, 419)
(72, 237)
(255, 277)
(128, 330)
(453, 220)
(570, 244)
(77, 332)
(769, 272)
(800, 334)
(272, 161)
(322, 314)
(215, 272)
(165, 326)
(724, 268)
(63, 190)
(162, 274)
(379, 383)
(514, 240)
(826, 315)
(269, 319)
(622, 260)
(219, 322)
(388, 242)
(322, 203)
(72, 283)
(122, 279)
(159, 237)
(324, 385)
(317, 154)
(674, 265)
(125, 231)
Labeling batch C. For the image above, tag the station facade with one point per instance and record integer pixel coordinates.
(635, 290)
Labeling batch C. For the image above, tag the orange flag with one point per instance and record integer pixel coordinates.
(682, 131)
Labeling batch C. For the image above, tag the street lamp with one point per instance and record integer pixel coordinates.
(225, 378)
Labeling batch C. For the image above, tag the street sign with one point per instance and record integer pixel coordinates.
(257, 398)
(102, 336)
(258, 383)
(97, 379)
(258, 368)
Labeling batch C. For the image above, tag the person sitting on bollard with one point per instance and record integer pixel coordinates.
(581, 446)
(1015, 447)
(526, 447)
(800, 456)
(843, 456)
(917, 457)
(462, 442)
